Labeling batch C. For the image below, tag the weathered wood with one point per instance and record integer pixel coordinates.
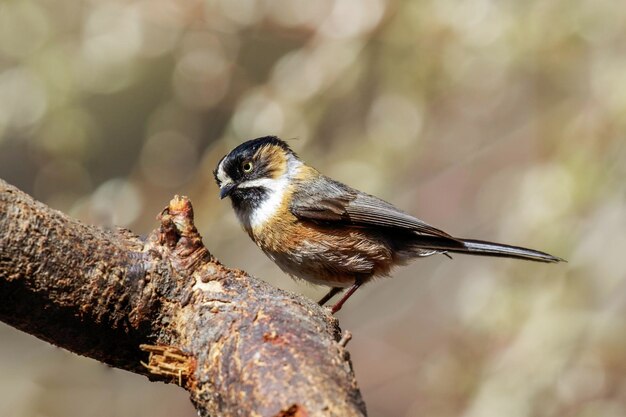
(240, 346)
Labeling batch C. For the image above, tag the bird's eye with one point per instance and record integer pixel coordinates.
(247, 166)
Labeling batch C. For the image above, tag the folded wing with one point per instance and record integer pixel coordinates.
(333, 202)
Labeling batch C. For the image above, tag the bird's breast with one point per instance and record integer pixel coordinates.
(333, 256)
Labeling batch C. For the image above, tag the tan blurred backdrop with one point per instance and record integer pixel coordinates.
(499, 120)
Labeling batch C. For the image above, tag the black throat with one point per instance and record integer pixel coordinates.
(247, 199)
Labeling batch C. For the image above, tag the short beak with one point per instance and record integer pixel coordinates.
(226, 190)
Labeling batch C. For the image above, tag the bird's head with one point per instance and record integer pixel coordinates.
(255, 171)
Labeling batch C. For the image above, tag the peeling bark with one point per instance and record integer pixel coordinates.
(167, 309)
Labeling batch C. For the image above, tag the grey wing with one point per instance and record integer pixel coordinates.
(333, 202)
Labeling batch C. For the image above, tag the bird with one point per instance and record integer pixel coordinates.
(326, 232)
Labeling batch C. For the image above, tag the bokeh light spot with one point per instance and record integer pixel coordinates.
(23, 98)
(168, 159)
(116, 202)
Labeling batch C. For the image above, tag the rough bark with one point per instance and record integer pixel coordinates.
(165, 308)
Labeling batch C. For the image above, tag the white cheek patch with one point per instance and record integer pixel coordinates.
(259, 182)
(276, 192)
(271, 204)
(267, 209)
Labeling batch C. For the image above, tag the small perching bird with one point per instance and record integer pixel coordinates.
(326, 232)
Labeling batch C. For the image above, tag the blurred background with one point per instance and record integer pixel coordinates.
(498, 120)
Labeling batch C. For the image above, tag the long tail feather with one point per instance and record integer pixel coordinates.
(480, 247)
(484, 248)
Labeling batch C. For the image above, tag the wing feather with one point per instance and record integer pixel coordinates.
(333, 202)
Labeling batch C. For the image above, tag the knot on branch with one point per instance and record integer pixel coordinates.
(179, 235)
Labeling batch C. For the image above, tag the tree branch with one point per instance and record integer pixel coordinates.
(238, 345)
